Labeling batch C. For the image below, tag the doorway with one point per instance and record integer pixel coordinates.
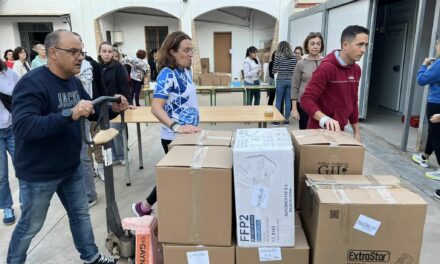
(222, 51)
(30, 32)
(154, 37)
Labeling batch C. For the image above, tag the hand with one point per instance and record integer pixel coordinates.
(332, 125)
(188, 129)
(435, 118)
(295, 114)
(131, 107)
(428, 61)
(82, 108)
(122, 106)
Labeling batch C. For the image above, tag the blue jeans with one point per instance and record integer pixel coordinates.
(255, 93)
(6, 145)
(117, 143)
(283, 94)
(86, 169)
(35, 200)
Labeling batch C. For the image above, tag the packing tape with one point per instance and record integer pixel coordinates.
(386, 196)
(204, 135)
(199, 157)
(341, 195)
(196, 199)
(331, 141)
(201, 138)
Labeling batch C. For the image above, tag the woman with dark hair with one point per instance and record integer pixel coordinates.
(9, 58)
(174, 100)
(21, 66)
(313, 46)
(8, 79)
(298, 51)
(139, 70)
(152, 57)
(284, 65)
(251, 72)
(115, 78)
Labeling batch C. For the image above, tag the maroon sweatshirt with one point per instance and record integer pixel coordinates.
(333, 90)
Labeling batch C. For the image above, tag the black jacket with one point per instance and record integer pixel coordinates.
(115, 79)
(98, 82)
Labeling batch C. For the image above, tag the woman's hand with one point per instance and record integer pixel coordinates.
(187, 129)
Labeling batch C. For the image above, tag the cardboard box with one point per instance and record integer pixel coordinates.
(362, 219)
(204, 138)
(185, 254)
(263, 183)
(194, 188)
(216, 80)
(204, 62)
(225, 80)
(289, 255)
(319, 151)
(205, 79)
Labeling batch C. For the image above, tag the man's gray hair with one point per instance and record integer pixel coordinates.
(53, 38)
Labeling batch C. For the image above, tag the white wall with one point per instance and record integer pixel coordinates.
(241, 40)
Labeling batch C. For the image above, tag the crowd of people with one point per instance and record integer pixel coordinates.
(51, 94)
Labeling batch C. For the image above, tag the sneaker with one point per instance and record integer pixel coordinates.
(433, 175)
(437, 193)
(275, 124)
(287, 122)
(8, 216)
(100, 171)
(137, 210)
(104, 260)
(419, 159)
(93, 202)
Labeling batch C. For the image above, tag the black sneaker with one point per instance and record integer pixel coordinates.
(105, 260)
(437, 193)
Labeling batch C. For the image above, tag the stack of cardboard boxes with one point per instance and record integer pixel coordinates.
(207, 192)
(215, 79)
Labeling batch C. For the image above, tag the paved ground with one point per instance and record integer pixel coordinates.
(54, 242)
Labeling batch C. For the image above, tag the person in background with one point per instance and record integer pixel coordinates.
(174, 100)
(271, 80)
(40, 59)
(331, 96)
(8, 80)
(115, 78)
(313, 46)
(284, 65)
(152, 57)
(252, 70)
(298, 51)
(21, 66)
(33, 51)
(139, 70)
(47, 104)
(9, 58)
(429, 74)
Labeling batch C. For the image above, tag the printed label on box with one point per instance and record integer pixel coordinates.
(269, 254)
(198, 257)
(107, 155)
(367, 225)
(260, 196)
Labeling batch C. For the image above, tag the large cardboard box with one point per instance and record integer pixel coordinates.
(216, 80)
(319, 151)
(204, 138)
(362, 219)
(185, 254)
(263, 183)
(194, 194)
(286, 255)
(225, 80)
(204, 62)
(205, 79)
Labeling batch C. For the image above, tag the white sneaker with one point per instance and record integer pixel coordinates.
(433, 175)
(100, 171)
(418, 158)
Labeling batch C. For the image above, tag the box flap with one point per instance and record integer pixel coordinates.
(324, 137)
(361, 189)
(204, 138)
(198, 157)
(262, 139)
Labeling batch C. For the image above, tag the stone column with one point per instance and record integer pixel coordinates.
(196, 65)
(98, 34)
(275, 37)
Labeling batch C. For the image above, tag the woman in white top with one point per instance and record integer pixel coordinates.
(8, 79)
(252, 72)
(21, 66)
(139, 71)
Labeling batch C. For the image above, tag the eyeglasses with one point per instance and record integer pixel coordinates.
(187, 50)
(74, 52)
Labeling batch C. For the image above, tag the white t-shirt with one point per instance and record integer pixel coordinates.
(8, 80)
(176, 87)
(86, 77)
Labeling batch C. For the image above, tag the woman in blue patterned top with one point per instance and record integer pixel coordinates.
(174, 100)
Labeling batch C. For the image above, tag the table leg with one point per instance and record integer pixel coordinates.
(215, 98)
(139, 138)
(210, 97)
(127, 160)
(245, 97)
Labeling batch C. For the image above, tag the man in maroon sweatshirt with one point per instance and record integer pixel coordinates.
(331, 96)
